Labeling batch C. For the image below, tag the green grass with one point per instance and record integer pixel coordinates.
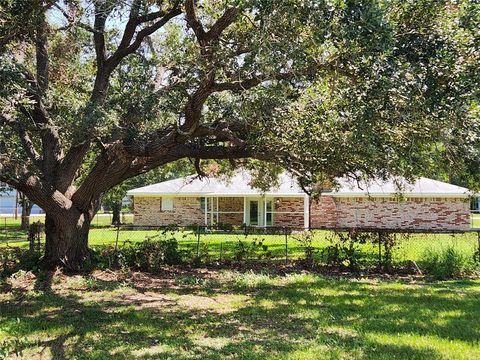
(98, 220)
(230, 315)
(476, 220)
(223, 245)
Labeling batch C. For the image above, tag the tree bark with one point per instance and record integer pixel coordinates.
(66, 243)
(116, 208)
(26, 210)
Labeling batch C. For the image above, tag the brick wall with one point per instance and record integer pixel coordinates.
(411, 213)
(187, 211)
(323, 212)
(233, 205)
(288, 212)
(328, 211)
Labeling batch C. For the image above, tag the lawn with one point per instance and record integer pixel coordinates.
(476, 220)
(231, 315)
(221, 245)
(102, 219)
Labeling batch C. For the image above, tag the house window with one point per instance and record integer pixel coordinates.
(202, 203)
(269, 214)
(166, 204)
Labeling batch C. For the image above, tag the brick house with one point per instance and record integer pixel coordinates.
(425, 204)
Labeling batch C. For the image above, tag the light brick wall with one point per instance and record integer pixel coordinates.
(328, 211)
(323, 212)
(186, 211)
(288, 212)
(411, 213)
(232, 205)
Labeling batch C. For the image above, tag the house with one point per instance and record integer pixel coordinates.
(425, 204)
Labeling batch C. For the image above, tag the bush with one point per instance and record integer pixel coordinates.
(343, 251)
(150, 255)
(447, 262)
(14, 259)
(245, 250)
(305, 240)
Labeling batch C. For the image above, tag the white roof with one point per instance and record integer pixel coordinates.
(238, 185)
(421, 187)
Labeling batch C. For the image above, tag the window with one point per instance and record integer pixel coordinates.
(166, 204)
(202, 203)
(269, 212)
(253, 213)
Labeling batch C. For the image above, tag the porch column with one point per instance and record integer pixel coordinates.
(217, 210)
(245, 210)
(206, 211)
(264, 211)
(306, 212)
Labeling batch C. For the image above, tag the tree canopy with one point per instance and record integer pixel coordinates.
(96, 92)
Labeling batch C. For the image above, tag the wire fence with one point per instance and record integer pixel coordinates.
(230, 244)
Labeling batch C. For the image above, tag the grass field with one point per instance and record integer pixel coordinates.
(103, 219)
(219, 245)
(230, 315)
(476, 220)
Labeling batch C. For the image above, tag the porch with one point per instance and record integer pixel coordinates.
(261, 211)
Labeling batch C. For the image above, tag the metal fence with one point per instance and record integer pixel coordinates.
(231, 244)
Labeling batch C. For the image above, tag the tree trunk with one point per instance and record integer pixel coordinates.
(66, 243)
(26, 210)
(116, 208)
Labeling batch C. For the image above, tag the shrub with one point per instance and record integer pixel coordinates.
(250, 250)
(150, 255)
(343, 251)
(447, 262)
(306, 242)
(14, 259)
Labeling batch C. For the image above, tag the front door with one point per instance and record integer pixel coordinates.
(254, 210)
(259, 212)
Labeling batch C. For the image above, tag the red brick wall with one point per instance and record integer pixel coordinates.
(323, 212)
(187, 211)
(411, 213)
(230, 210)
(288, 212)
(328, 211)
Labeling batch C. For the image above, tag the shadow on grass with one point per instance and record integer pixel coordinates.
(323, 318)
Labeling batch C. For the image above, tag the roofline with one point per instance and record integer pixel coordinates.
(340, 195)
(412, 195)
(196, 194)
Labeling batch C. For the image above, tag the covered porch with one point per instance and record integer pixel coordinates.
(260, 211)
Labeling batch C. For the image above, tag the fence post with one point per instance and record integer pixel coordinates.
(118, 234)
(286, 245)
(198, 241)
(478, 240)
(379, 250)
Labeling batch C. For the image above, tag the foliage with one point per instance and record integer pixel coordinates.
(12, 346)
(447, 263)
(388, 240)
(320, 88)
(248, 250)
(16, 259)
(306, 242)
(344, 249)
(150, 255)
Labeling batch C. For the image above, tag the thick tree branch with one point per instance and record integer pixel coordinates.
(42, 54)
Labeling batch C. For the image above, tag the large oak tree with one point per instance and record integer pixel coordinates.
(96, 92)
